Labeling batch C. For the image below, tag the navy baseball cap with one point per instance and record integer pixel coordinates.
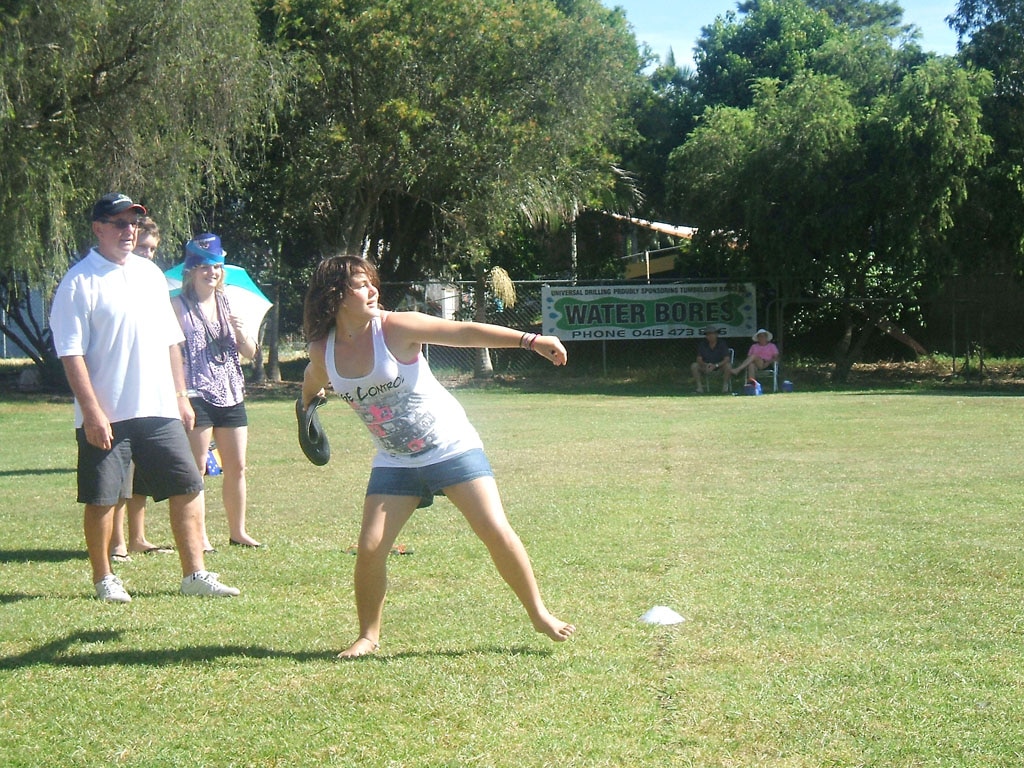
(112, 204)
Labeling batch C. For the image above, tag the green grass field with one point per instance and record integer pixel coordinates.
(849, 565)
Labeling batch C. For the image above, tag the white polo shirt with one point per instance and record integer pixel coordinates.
(119, 318)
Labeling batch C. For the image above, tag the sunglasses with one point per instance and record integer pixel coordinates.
(122, 223)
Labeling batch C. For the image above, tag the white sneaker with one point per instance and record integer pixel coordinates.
(111, 590)
(206, 584)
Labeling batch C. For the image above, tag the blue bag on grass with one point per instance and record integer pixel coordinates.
(212, 465)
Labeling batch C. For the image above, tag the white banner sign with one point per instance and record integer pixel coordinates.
(593, 313)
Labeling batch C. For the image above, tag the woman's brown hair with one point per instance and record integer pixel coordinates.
(331, 280)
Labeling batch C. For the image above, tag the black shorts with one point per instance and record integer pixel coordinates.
(164, 465)
(207, 415)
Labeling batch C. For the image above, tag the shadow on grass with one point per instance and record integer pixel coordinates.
(16, 597)
(34, 472)
(484, 650)
(59, 653)
(41, 555)
(957, 393)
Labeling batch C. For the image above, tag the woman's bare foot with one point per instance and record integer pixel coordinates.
(147, 548)
(554, 628)
(361, 647)
(245, 540)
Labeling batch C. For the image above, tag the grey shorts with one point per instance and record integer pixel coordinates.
(428, 481)
(164, 465)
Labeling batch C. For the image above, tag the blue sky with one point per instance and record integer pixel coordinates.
(676, 24)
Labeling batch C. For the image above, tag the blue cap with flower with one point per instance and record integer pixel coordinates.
(204, 250)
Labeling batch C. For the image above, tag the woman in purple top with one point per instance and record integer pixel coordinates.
(761, 354)
(214, 338)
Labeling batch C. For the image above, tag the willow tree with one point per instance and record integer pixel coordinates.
(147, 98)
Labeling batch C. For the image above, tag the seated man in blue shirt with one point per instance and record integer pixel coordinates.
(712, 355)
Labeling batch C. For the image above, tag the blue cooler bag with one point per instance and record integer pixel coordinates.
(752, 387)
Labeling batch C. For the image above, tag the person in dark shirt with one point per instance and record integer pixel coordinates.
(712, 355)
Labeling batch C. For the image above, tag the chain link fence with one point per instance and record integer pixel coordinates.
(457, 301)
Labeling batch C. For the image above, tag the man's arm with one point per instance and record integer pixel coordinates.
(97, 427)
(188, 416)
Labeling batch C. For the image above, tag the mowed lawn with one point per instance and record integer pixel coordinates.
(848, 564)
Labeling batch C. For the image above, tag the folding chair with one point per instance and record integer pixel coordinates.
(732, 362)
(773, 371)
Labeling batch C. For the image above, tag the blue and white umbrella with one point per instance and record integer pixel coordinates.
(245, 298)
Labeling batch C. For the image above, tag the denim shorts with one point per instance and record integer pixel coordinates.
(164, 465)
(428, 481)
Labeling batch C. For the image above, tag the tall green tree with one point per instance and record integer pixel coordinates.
(665, 111)
(772, 38)
(835, 189)
(146, 97)
(443, 123)
(853, 39)
(991, 36)
(426, 132)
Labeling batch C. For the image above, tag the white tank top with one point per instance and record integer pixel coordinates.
(413, 420)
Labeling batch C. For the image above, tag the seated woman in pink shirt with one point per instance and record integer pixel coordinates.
(761, 354)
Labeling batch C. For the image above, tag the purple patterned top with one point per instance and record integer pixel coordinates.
(213, 370)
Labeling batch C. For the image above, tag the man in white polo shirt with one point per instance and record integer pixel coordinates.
(117, 337)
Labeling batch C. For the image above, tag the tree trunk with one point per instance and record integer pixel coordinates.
(259, 372)
(851, 348)
(274, 338)
(841, 358)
